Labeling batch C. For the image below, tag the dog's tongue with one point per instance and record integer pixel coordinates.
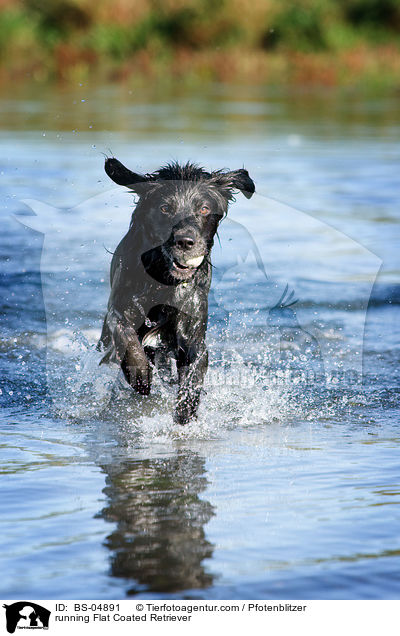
(194, 262)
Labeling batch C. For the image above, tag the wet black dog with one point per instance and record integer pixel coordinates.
(161, 274)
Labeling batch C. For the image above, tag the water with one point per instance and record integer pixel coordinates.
(288, 484)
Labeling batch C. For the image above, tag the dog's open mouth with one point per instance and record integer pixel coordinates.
(189, 265)
(180, 267)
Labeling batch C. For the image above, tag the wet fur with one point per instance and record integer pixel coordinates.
(158, 305)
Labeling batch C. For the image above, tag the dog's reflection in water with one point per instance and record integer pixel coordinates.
(159, 541)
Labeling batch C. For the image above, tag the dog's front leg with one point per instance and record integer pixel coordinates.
(130, 353)
(192, 365)
(133, 360)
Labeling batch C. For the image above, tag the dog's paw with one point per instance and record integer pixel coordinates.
(182, 419)
(185, 413)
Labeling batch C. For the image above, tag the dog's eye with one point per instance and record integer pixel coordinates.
(165, 208)
(205, 210)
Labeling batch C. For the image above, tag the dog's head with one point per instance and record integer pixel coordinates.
(178, 213)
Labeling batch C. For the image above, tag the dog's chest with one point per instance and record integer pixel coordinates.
(187, 305)
(153, 337)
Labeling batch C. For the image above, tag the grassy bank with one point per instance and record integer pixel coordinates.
(327, 42)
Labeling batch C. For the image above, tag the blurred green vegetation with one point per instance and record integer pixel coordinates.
(325, 41)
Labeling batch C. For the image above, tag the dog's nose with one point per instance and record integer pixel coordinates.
(184, 242)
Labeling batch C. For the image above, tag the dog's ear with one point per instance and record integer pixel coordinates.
(123, 176)
(243, 182)
(237, 180)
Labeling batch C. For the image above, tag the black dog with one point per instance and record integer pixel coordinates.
(161, 274)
